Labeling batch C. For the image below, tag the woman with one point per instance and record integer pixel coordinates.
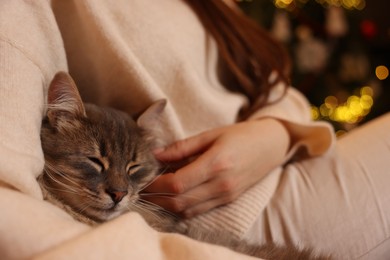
(254, 163)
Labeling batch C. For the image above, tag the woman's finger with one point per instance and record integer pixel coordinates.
(199, 171)
(199, 198)
(186, 148)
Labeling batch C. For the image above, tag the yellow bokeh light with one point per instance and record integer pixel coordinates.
(351, 112)
(366, 102)
(331, 102)
(315, 113)
(361, 5)
(351, 4)
(382, 72)
(352, 99)
(367, 91)
(347, 4)
(356, 109)
(325, 111)
(283, 3)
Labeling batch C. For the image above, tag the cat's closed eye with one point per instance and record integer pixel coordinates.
(132, 168)
(97, 163)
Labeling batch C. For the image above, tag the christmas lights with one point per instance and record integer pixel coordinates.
(352, 111)
(347, 4)
(382, 72)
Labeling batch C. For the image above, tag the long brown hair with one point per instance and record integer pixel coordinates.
(248, 52)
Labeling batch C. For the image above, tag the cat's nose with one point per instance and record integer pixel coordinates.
(116, 195)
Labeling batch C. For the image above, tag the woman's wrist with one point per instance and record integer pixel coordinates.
(277, 132)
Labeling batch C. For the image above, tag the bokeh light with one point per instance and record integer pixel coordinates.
(347, 4)
(352, 111)
(382, 72)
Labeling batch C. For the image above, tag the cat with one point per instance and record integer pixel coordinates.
(98, 160)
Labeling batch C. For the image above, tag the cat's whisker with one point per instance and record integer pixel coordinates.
(150, 182)
(148, 210)
(48, 187)
(151, 211)
(157, 208)
(68, 187)
(161, 172)
(164, 169)
(61, 190)
(150, 204)
(53, 169)
(83, 207)
(168, 195)
(151, 194)
(147, 205)
(91, 193)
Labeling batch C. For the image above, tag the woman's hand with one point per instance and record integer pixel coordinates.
(224, 163)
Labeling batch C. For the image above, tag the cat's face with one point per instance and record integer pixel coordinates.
(96, 160)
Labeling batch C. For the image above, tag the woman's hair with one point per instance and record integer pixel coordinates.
(248, 52)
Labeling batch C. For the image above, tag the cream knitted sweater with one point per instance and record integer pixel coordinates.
(124, 54)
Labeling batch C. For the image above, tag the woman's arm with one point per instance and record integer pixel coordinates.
(231, 159)
(228, 161)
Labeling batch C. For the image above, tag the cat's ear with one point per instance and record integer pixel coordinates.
(64, 101)
(149, 119)
(150, 122)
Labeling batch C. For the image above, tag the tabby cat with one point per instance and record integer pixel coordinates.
(98, 160)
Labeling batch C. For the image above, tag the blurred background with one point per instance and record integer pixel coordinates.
(340, 51)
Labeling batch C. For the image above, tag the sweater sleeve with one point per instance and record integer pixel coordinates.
(308, 138)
